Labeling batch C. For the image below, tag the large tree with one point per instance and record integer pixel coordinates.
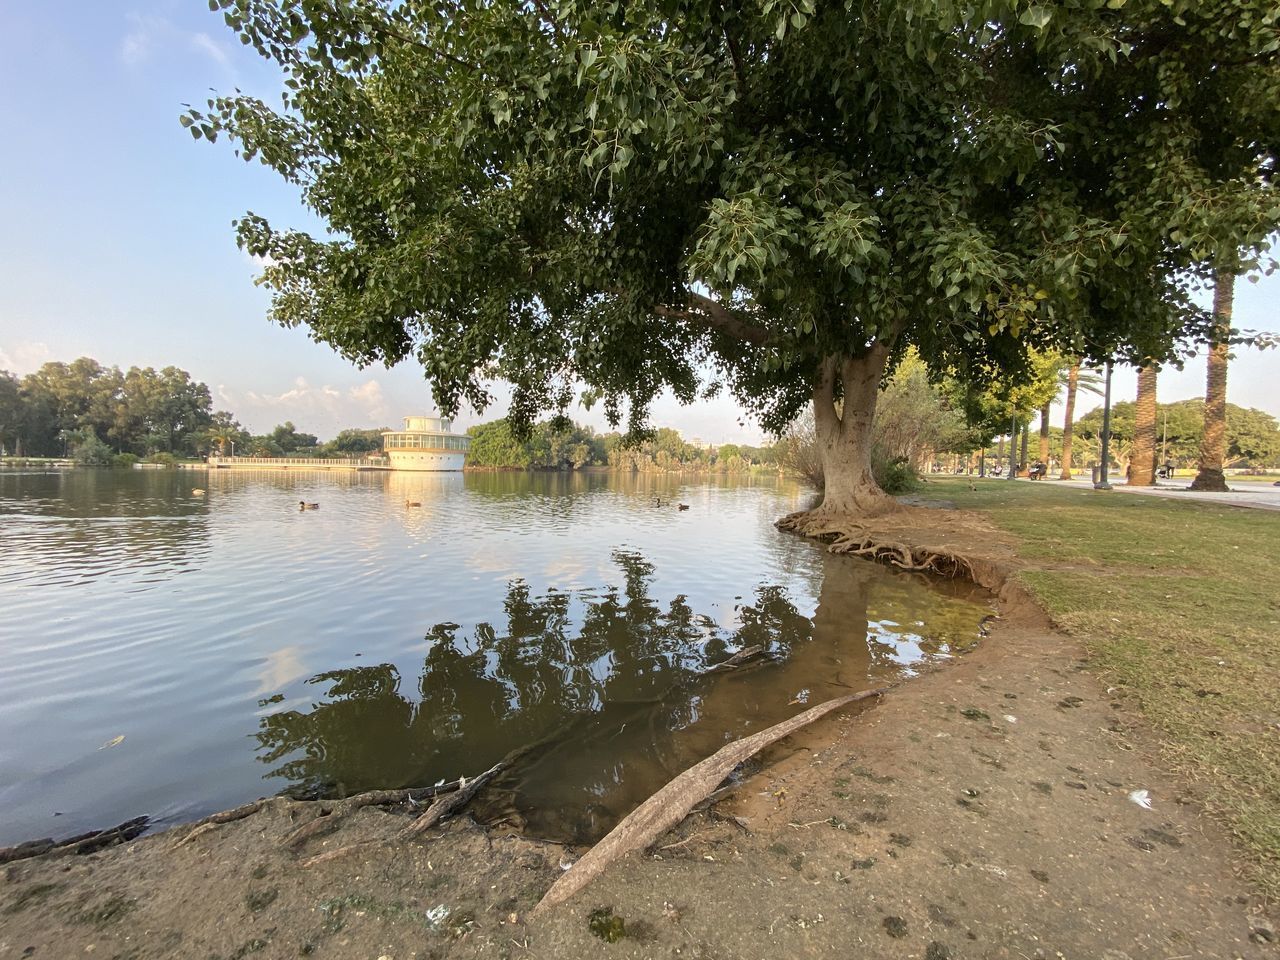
(776, 196)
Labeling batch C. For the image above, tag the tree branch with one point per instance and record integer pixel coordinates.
(546, 15)
(734, 52)
(713, 314)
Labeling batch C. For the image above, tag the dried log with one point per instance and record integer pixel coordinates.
(673, 802)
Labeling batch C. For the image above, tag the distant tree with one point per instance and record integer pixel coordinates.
(292, 443)
(353, 443)
(494, 444)
(225, 433)
(12, 412)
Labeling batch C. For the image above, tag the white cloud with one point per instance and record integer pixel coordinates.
(147, 33)
(207, 45)
(369, 395)
(25, 356)
(137, 43)
(322, 409)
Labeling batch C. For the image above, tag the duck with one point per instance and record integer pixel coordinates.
(198, 492)
(657, 501)
(412, 503)
(303, 505)
(682, 506)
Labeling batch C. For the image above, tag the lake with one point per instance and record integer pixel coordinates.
(172, 653)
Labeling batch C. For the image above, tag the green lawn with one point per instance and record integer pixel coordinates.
(1178, 605)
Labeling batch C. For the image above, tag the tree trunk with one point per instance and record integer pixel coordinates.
(1213, 441)
(844, 435)
(1142, 460)
(1044, 435)
(1073, 380)
(1022, 460)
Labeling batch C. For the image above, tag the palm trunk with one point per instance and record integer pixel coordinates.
(1142, 460)
(1044, 434)
(1022, 460)
(1213, 441)
(1073, 380)
(844, 435)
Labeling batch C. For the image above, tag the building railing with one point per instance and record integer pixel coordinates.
(298, 461)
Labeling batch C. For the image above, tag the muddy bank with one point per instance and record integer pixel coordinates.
(982, 810)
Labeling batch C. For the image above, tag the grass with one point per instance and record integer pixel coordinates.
(1178, 604)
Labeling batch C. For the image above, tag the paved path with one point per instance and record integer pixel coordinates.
(1258, 496)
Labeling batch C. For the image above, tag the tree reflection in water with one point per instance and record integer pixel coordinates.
(608, 685)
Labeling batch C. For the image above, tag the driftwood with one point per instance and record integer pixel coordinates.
(673, 802)
(80, 844)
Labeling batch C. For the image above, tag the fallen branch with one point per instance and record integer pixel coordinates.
(673, 802)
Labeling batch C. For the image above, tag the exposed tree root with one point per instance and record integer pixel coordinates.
(673, 802)
(331, 817)
(454, 801)
(80, 844)
(897, 541)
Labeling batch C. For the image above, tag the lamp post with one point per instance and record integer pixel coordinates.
(1102, 483)
(1164, 444)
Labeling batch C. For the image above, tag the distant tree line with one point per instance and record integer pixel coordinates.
(98, 415)
(1253, 436)
(555, 445)
(94, 412)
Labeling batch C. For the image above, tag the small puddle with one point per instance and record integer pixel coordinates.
(607, 694)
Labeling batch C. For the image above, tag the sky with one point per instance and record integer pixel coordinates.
(117, 240)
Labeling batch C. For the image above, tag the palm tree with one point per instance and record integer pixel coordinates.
(1213, 441)
(1075, 382)
(1142, 461)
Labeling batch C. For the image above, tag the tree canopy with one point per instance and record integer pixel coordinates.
(139, 411)
(779, 197)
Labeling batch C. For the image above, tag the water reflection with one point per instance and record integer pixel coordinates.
(606, 690)
(566, 607)
(75, 526)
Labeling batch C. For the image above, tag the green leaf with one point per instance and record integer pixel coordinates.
(1036, 16)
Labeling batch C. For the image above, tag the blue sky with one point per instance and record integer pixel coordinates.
(117, 239)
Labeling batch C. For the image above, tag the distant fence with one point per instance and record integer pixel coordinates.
(313, 463)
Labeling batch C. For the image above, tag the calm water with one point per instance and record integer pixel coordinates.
(241, 647)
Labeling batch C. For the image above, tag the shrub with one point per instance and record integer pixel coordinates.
(895, 475)
(163, 457)
(92, 452)
(125, 460)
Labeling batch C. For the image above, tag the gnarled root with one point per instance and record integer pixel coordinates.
(330, 818)
(861, 538)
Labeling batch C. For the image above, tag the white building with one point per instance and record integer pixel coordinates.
(425, 443)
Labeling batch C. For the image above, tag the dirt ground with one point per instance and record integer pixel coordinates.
(983, 810)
